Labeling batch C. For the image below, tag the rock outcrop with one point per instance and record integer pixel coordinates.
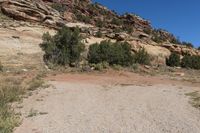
(93, 17)
(31, 10)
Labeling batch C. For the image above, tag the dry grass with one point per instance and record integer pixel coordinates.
(4, 18)
(10, 91)
(13, 87)
(194, 99)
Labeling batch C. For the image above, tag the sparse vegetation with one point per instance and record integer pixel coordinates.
(175, 40)
(35, 83)
(117, 21)
(112, 53)
(82, 18)
(32, 113)
(160, 36)
(100, 66)
(188, 44)
(59, 7)
(10, 91)
(173, 60)
(100, 23)
(198, 48)
(99, 34)
(194, 99)
(3, 17)
(64, 48)
(128, 28)
(147, 31)
(142, 57)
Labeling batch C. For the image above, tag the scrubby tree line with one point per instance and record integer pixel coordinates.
(188, 61)
(65, 48)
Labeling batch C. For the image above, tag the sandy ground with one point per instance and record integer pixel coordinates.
(105, 103)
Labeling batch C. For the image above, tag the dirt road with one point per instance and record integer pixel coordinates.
(77, 104)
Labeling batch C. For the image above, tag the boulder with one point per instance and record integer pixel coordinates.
(158, 53)
(180, 49)
(121, 36)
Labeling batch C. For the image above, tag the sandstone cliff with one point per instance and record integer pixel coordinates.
(93, 17)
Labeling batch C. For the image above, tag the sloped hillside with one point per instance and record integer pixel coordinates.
(93, 18)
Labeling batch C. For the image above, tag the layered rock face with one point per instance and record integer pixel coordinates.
(91, 18)
(31, 10)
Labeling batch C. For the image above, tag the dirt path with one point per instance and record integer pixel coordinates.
(77, 104)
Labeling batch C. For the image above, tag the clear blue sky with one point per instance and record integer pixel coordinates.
(180, 17)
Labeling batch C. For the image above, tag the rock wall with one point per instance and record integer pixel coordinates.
(31, 10)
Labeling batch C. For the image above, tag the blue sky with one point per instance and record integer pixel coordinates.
(180, 17)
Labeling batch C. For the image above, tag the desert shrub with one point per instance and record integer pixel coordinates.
(198, 48)
(191, 62)
(35, 83)
(158, 39)
(188, 44)
(112, 53)
(142, 57)
(10, 91)
(100, 66)
(117, 30)
(64, 48)
(128, 28)
(100, 23)
(134, 66)
(3, 17)
(99, 34)
(117, 21)
(82, 18)
(175, 40)
(147, 31)
(173, 60)
(160, 36)
(59, 7)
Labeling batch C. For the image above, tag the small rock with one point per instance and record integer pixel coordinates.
(180, 74)
(16, 37)
(24, 70)
(147, 67)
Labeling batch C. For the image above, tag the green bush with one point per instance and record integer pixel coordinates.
(128, 28)
(100, 66)
(191, 62)
(117, 30)
(173, 60)
(142, 57)
(117, 21)
(83, 18)
(158, 39)
(64, 48)
(188, 44)
(175, 40)
(100, 23)
(99, 34)
(112, 53)
(147, 31)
